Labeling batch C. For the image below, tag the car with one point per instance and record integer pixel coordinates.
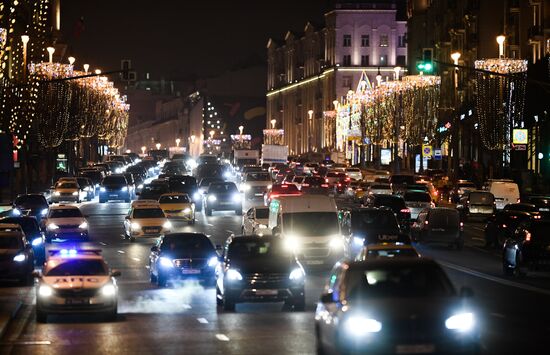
(477, 204)
(280, 190)
(387, 250)
(505, 192)
(528, 248)
(396, 204)
(132, 184)
(17, 258)
(541, 202)
(354, 173)
(399, 182)
(34, 205)
(502, 225)
(314, 185)
(368, 225)
(378, 188)
(255, 221)
(259, 269)
(394, 305)
(183, 256)
(426, 186)
(371, 175)
(94, 175)
(177, 205)
(146, 219)
(65, 222)
(255, 184)
(223, 196)
(205, 182)
(417, 201)
(67, 191)
(154, 190)
(87, 186)
(461, 188)
(33, 234)
(186, 184)
(334, 177)
(114, 187)
(208, 170)
(76, 281)
(439, 225)
(360, 190)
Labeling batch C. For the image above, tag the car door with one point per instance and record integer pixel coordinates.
(329, 326)
(249, 221)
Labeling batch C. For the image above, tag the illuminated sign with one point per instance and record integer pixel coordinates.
(520, 136)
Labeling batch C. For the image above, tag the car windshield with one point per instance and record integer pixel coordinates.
(481, 198)
(10, 242)
(520, 207)
(257, 249)
(444, 219)
(28, 224)
(314, 180)
(114, 180)
(391, 253)
(311, 223)
(222, 188)
(191, 246)
(380, 187)
(399, 281)
(174, 199)
(65, 213)
(258, 177)
(155, 188)
(395, 203)
(374, 219)
(285, 189)
(148, 213)
(402, 179)
(207, 181)
(67, 185)
(262, 213)
(79, 268)
(417, 197)
(30, 200)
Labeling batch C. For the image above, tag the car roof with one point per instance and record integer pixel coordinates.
(401, 262)
(144, 202)
(174, 194)
(186, 235)
(63, 207)
(390, 246)
(13, 233)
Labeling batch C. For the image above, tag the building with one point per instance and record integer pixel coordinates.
(308, 71)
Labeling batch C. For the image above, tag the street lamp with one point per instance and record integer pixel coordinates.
(310, 129)
(51, 51)
(178, 142)
(97, 71)
(25, 40)
(71, 60)
(128, 151)
(158, 146)
(455, 56)
(273, 121)
(86, 67)
(378, 79)
(397, 70)
(500, 41)
(212, 134)
(143, 148)
(193, 137)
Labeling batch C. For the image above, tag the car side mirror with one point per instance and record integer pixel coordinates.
(326, 298)
(466, 292)
(37, 274)
(154, 248)
(127, 217)
(116, 273)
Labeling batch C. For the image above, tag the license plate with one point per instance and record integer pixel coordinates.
(267, 292)
(76, 301)
(113, 195)
(225, 203)
(415, 349)
(190, 271)
(150, 230)
(544, 209)
(314, 262)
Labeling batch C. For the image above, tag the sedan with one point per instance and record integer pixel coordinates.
(527, 249)
(223, 196)
(255, 221)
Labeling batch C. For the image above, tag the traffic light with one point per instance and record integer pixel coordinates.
(425, 67)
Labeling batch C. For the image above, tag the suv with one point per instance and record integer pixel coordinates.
(65, 222)
(114, 187)
(31, 205)
(255, 184)
(396, 204)
(17, 258)
(223, 196)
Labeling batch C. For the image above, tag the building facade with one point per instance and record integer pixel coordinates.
(307, 72)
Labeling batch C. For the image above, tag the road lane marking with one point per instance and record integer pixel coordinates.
(498, 315)
(222, 337)
(229, 231)
(136, 259)
(121, 251)
(202, 320)
(478, 228)
(210, 224)
(494, 278)
(102, 243)
(477, 238)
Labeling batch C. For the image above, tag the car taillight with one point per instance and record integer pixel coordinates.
(273, 195)
(348, 179)
(305, 185)
(426, 222)
(326, 180)
(405, 210)
(461, 226)
(528, 237)
(519, 200)
(339, 184)
(324, 185)
(284, 186)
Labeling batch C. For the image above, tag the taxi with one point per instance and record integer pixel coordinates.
(66, 191)
(177, 205)
(146, 219)
(387, 250)
(76, 282)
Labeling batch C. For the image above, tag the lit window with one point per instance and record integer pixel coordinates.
(383, 40)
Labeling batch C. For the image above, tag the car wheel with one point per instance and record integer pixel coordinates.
(132, 239)
(41, 317)
(208, 211)
(299, 305)
(112, 315)
(518, 270)
(228, 304)
(161, 280)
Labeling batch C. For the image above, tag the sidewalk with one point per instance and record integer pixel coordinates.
(8, 311)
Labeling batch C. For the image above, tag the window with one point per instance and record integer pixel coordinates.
(365, 41)
(402, 41)
(347, 40)
(364, 60)
(383, 40)
(346, 81)
(401, 60)
(384, 59)
(347, 60)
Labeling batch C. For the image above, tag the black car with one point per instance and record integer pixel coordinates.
(208, 170)
(33, 234)
(369, 225)
(314, 185)
(541, 202)
(223, 196)
(17, 258)
(259, 269)
(96, 176)
(180, 256)
(154, 190)
(399, 182)
(88, 186)
(503, 224)
(404, 305)
(114, 187)
(396, 204)
(439, 225)
(30, 205)
(528, 248)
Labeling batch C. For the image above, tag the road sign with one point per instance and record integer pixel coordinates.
(520, 136)
(427, 150)
(519, 146)
(437, 154)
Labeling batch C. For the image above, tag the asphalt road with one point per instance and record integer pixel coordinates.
(513, 313)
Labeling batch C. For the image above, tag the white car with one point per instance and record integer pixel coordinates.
(255, 221)
(65, 222)
(146, 220)
(256, 183)
(417, 201)
(377, 188)
(505, 192)
(76, 281)
(354, 173)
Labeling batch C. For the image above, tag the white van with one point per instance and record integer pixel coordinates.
(309, 226)
(505, 192)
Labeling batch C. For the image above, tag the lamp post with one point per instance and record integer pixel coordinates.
(193, 137)
(178, 142)
(51, 51)
(86, 67)
(158, 146)
(97, 71)
(143, 148)
(25, 40)
(273, 122)
(500, 41)
(241, 128)
(309, 130)
(455, 129)
(397, 70)
(71, 60)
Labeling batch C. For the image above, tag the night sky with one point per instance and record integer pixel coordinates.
(178, 39)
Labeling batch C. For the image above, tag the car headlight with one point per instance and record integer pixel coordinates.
(75, 193)
(227, 175)
(102, 189)
(461, 322)
(186, 210)
(140, 186)
(358, 241)
(297, 274)
(213, 261)
(37, 242)
(269, 186)
(358, 326)
(87, 188)
(197, 196)
(336, 243)
(262, 226)
(96, 186)
(45, 291)
(83, 225)
(165, 262)
(167, 225)
(135, 226)
(237, 198)
(44, 212)
(20, 258)
(118, 170)
(16, 212)
(124, 189)
(57, 193)
(291, 243)
(212, 198)
(233, 275)
(108, 290)
(53, 226)
(246, 187)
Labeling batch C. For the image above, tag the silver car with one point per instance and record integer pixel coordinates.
(417, 201)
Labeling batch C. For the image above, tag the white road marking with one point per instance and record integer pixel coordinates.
(136, 259)
(476, 238)
(210, 224)
(229, 231)
(478, 228)
(222, 337)
(202, 320)
(121, 251)
(102, 243)
(498, 315)
(494, 278)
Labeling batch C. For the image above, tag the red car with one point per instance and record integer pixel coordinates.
(280, 190)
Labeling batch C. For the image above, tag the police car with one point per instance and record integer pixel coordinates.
(76, 281)
(65, 222)
(146, 219)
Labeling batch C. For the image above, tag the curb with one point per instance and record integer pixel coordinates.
(5, 319)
